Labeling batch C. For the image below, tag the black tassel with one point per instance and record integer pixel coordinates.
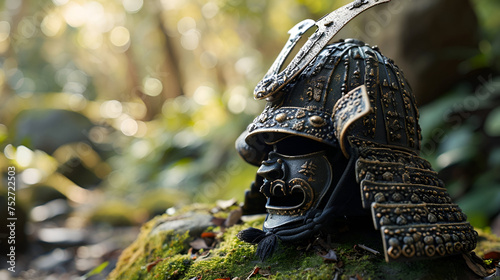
(267, 241)
(251, 235)
(267, 246)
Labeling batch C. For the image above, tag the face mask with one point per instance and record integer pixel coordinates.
(293, 185)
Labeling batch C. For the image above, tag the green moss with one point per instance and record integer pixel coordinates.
(166, 256)
(172, 268)
(487, 242)
(231, 258)
(140, 256)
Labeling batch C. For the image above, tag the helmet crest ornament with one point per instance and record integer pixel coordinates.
(328, 26)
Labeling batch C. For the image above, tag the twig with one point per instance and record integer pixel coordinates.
(375, 252)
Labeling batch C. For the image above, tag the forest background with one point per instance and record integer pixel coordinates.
(112, 112)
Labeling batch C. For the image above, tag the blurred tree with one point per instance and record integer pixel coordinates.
(148, 96)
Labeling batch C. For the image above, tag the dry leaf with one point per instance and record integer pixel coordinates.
(150, 265)
(233, 217)
(224, 204)
(254, 272)
(208, 235)
(330, 256)
(265, 271)
(476, 267)
(198, 244)
(493, 255)
(218, 221)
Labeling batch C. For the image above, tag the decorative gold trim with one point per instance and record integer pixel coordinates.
(349, 108)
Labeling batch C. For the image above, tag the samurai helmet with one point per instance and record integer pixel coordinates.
(338, 142)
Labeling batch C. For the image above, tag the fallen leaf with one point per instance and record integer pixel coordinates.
(475, 264)
(330, 256)
(493, 255)
(218, 221)
(198, 244)
(224, 204)
(208, 235)
(265, 271)
(254, 272)
(150, 265)
(210, 238)
(233, 217)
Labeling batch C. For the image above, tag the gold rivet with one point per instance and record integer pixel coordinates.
(281, 117)
(317, 121)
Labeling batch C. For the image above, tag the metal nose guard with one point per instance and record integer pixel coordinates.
(272, 168)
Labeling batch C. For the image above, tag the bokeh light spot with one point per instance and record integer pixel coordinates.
(59, 2)
(111, 109)
(4, 30)
(120, 36)
(132, 6)
(90, 39)
(186, 24)
(97, 134)
(492, 123)
(245, 65)
(9, 151)
(237, 101)
(171, 4)
(140, 149)
(77, 102)
(31, 176)
(203, 95)
(210, 10)
(190, 40)
(51, 25)
(74, 87)
(26, 28)
(24, 156)
(152, 86)
(129, 127)
(74, 14)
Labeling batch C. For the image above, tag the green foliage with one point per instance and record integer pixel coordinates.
(167, 256)
(461, 142)
(460, 130)
(95, 271)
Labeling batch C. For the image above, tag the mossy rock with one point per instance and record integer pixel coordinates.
(166, 254)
